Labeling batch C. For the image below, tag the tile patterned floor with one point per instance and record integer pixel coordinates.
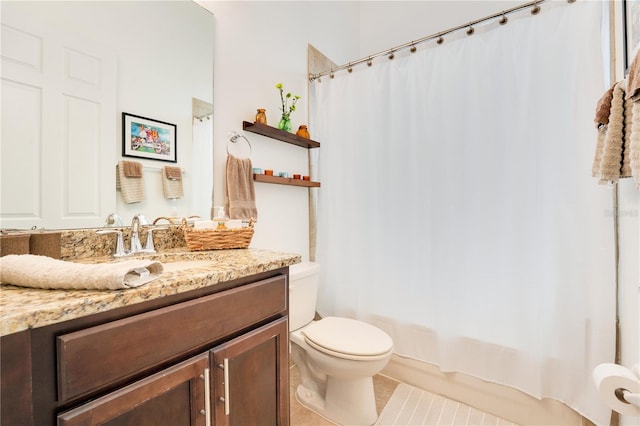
(401, 405)
(417, 407)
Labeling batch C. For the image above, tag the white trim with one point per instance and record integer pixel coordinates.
(499, 400)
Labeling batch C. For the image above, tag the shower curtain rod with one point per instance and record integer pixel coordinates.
(535, 9)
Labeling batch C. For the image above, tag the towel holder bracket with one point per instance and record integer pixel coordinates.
(233, 137)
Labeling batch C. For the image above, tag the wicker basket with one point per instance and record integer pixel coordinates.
(217, 239)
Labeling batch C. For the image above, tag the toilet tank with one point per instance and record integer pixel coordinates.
(303, 293)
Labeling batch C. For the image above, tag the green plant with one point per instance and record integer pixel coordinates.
(286, 108)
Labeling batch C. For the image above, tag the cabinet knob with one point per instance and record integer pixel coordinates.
(203, 412)
(221, 399)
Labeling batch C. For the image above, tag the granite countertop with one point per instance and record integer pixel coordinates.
(24, 308)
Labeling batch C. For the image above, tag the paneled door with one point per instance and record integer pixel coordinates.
(176, 396)
(59, 119)
(251, 378)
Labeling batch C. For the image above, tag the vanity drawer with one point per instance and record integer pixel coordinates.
(98, 357)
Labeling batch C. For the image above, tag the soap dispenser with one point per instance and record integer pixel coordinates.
(220, 218)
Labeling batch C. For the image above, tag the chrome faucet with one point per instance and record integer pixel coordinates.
(136, 246)
(120, 251)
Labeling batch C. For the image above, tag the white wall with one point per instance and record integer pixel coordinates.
(629, 275)
(629, 243)
(260, 44)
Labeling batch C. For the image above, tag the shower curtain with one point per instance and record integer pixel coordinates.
(457, 210)
(202, 166)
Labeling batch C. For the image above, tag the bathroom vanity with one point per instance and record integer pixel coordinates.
(205, 344)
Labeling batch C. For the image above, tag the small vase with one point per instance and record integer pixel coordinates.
(303, 132)
(261, 117)
(285, 123)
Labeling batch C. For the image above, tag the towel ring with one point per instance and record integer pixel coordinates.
(233, 138)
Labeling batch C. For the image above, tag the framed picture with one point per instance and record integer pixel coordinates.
(147, 138)
(631, 12)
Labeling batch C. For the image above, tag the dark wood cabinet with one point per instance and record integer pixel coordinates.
(157, 362)
(176, 396)
(251, 378)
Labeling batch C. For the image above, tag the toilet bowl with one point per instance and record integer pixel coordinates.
(337, 357)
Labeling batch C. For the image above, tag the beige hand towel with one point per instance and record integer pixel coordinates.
(132, 168)
(633, 79)
(131, 187)
(603, 109)
(618, 145)
(610, 158)
(28, 270)
(625, 166)
(172, 182)
(240, 199)
(173, 173)
(633, 151)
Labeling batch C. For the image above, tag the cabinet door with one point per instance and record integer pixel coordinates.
(251, 378)
(177, 396)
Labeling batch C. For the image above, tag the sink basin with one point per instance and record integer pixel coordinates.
(180, 255)
(174, 266)
(172, 260)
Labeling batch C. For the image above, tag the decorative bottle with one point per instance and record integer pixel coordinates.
(303, 132)
(261, 117)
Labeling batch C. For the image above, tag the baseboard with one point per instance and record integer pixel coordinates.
(502, 401)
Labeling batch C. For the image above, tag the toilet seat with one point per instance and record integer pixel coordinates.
(348, 338)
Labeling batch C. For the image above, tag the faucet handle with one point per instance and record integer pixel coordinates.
(119, 242)
(113, 219)
(148, 246)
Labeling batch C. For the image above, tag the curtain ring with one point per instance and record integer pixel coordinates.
(440, 40)
(369, 61)
(504, 19)
(535, 10)
(331, 75)
(349, 68)
(470, 30)
(391, 55)
(413, 48)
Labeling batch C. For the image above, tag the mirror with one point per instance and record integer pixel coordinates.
(62, 136)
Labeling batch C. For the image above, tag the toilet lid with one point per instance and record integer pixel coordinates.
(348, 336)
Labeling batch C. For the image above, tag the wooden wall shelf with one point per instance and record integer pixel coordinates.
(272, 132)
(285, 181)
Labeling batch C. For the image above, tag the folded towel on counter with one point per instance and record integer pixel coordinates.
(240, 199)
(131, 187)
(172, 182)
(28, 270)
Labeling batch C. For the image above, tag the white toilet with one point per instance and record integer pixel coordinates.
(337, 357)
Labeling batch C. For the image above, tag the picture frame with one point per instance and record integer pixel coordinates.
(631, 26)
(144, 137)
